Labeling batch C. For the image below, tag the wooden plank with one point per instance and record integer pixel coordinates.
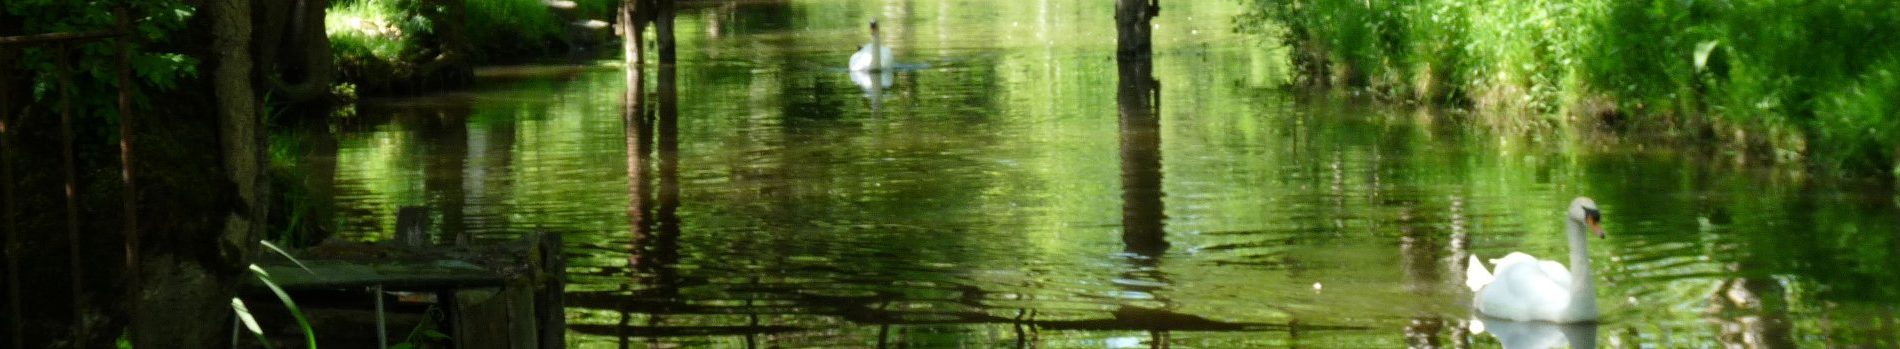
(407, 276)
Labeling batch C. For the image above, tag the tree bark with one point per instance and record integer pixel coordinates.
(293, 52)
(190, 272)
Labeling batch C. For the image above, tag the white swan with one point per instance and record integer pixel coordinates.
(1527, 289)
(873, 56)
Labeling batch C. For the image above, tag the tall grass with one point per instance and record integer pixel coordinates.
(1788, 77)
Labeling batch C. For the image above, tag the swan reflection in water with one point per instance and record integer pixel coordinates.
(873, 83)
(1536, 334)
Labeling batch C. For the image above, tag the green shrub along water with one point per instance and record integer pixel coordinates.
(394, 46)
(496, 31)
(506, 31)
(1786, 78)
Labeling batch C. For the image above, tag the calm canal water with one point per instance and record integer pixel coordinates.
(999, 194)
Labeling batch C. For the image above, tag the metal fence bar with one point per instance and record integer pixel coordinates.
(72, 189)
(123, 24)
(6, 195)
(8, 213)
(50, 38)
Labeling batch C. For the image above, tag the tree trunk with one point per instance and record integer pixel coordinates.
(293, 52)
(193, 264)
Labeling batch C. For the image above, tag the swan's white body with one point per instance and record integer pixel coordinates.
(865, 61)
(1527, 289)
(873, 56)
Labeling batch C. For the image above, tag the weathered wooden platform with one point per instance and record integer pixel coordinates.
(505, 295)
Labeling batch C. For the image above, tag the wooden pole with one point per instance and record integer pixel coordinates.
(1138, 98)
(7, 107)
(72, 193)
(1133, 20)
(663, 29)
(631, 25)
(131, 194)
(549, 307)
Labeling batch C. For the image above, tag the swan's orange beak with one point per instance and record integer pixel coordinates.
(1598, 228)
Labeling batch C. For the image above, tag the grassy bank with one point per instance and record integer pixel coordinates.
(1787, 78)
(385, 46)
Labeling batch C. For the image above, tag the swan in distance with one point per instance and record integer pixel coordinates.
(873, 56)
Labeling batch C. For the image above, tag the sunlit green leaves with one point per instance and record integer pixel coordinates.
(1779, 67)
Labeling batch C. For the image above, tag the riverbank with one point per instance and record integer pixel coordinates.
(384, 47)
(1786, 81)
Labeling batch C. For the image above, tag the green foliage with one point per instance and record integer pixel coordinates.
(246, 318)
(1793, 72)
(374, 29)
(499, 28)
(504, 29)
(303, 323)
(95, 64)
(303, 213)
(389, 29)
(425, 333)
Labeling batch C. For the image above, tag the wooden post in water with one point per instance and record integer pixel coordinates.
(549, 307)
(663, 29)
(1138, 99)
(631, 23)
(1133, 26)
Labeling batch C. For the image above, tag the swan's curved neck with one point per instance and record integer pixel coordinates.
(877, 47)
(1583, 294)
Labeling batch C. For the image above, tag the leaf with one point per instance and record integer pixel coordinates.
(310, 336)
(250, 322)
(244, 315)
(1702, 51)
(287, 255)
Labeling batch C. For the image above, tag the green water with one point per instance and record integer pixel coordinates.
(996, 196)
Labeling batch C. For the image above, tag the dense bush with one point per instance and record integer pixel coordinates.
(1788, 76)
(396, 46)
(505, 30)
(385, 46)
